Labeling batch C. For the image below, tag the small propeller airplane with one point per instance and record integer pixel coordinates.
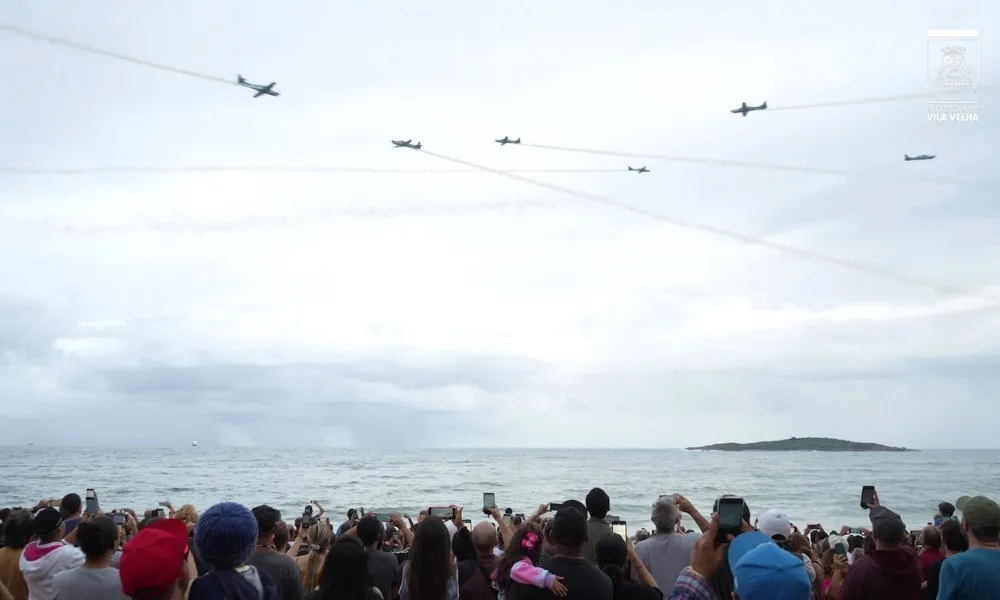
(639, 170)
(260, 89)
(506, 140)
(921, 157)
(407, 144)
(745, 109)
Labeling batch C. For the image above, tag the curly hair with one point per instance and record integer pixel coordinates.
(187, 513)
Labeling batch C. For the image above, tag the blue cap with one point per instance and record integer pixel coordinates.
(762, 570)
(226, 535)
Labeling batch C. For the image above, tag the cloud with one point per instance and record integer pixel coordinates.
(444, 309)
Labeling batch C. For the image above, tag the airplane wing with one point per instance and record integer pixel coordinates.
(260, 93)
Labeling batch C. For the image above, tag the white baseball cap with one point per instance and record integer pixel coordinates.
(774, 523)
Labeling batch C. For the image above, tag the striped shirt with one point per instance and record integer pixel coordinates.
(691, 586)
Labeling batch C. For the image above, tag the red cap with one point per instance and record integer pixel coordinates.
(153, 560)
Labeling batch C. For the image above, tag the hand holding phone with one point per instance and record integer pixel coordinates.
(489, 502)
(730, 518)
(556, 506)
(868, 497)
(442, 512)
(92, 507)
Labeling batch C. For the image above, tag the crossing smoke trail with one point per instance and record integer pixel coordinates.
(196, 169)
(41, 37)
(240, 224)
(876, 100)
(757, 165)
(733, 235)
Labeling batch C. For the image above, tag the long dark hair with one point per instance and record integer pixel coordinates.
(611, 553)
(430, 562)
(518, 550)
(345, 573)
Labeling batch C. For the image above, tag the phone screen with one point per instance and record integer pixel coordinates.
(554, 506)
(620, 528)
(441, 512)
(489, 500)
(119, 519)
(840, 549)
(867, 495)
(383, 517)
(92, 507)
(730, 518)
(855, 530)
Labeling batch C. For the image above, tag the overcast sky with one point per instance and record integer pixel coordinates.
(451, 309)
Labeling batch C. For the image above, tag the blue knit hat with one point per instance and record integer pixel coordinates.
(226, 535)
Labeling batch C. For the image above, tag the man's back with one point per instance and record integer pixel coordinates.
(884, 574)
(971, 575)
(665, 555)
(596, 529)
(283, 572)
(582, 579)
(88, 584)
(385, 571)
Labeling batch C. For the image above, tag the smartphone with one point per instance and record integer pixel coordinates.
(467, 523)
(620, 528)
(307, 516)
(855, 530)
(867, 496)
(813, 526)
(508, 520)
(556, 506)
(383, 517)
(119, 519)
(489, 502)
(158, 513)
(92, 507)
(441, 512)
(840, 549)
(730, 518)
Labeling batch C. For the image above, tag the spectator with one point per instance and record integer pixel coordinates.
(352, 520)
(975, 573)
(18, 527)
(892, 570)
(384, 568)
(226, 535)
(930, 553)
(583, 580)
(598, 507)
(617, 559)
(318, 541)
(71, 509)
(519, 563)
(280, 568)
(721, 581)
(345, 574)
(95, 579)
(430, 572)
(668, 552)
(946, 512)
(953, 542)
(475, 576)
(153, 564)
(45, 558)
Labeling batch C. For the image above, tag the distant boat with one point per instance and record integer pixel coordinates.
(194, 444)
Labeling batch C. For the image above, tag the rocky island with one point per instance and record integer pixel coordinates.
(805, 444)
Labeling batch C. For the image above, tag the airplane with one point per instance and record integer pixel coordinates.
(639, 170)
(407, 144)
(261, 89)
(921, 157)
(745, 109)
(507, 140)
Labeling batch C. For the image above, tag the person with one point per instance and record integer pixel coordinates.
(156, 564)
(48, 556)
(18, 527)
(798, 545)
(598, 506)
(946, 512)
(475, 574)
(280, 568)
(71, 508)
(319, 539)
(761, 569)
(430, 572)
(930, 552)
(582, 579)
(345, 574)
(891, 570)
(616, 558)
(517, 564)
(975, 573)
(95, 579)
(667, 553)
(386, 573)
(721, 581)
(352, 520)
(226, 535)
(953, 542)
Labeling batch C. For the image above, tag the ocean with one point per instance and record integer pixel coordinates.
(809, 486)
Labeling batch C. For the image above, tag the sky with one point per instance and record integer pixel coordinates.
(445, 309)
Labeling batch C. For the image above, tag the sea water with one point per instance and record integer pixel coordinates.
(811, 487)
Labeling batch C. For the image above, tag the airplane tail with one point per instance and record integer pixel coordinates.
(906, 157)
(239, 79)
(765, 104)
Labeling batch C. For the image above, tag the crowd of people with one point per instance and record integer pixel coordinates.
(57, 550)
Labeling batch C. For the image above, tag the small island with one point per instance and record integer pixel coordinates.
(808, 444)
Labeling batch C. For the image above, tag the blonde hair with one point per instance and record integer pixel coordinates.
(188, 514)
(319, 537)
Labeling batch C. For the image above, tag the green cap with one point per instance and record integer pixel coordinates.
(961, 502)
(980, 511)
